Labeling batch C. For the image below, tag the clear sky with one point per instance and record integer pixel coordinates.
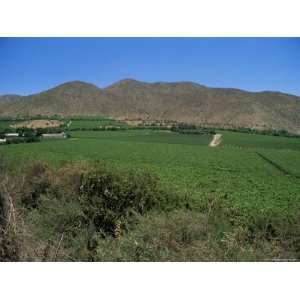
(30, 65)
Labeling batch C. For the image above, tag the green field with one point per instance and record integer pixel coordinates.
(74, 122)
(255, 173)
(93, 123)
(5, 124)
(245, 140)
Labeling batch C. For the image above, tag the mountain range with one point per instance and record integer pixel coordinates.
(178, 101)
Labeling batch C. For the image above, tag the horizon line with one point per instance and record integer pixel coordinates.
(147, 82)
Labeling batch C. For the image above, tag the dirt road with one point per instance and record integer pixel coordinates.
(216, 140)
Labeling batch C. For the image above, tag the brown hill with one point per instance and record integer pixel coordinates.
(181, 101)
(9, 98)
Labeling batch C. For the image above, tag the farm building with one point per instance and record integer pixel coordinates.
(2, 141)
(11, 135)
(61, 135)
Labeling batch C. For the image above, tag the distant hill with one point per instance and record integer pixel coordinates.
(9, 98)
(180, 101)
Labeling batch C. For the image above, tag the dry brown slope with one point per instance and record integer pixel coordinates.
(181, 101)
(190, 102)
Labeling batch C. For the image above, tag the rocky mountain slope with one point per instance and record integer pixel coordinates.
(180, 101)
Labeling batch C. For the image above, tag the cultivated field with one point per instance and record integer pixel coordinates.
(4, 124)
(253, 172)
(89, 123)
(110, 192)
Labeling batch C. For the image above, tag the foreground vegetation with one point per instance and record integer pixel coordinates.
(89, 212)
(114, 194)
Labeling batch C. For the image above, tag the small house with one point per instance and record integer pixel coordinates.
(2, 141)
(11, 135)
(61, 135)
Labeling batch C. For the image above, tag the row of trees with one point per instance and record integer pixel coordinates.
(271, 132)
(115, 128)
(186, 128)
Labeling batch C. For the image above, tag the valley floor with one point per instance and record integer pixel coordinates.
(254, 177)
(235, 171)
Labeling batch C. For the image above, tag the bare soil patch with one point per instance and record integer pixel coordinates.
(216, 141)
(133, 122)
(38, 124)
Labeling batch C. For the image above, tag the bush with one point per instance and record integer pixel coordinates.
(110, 198)
(80, 201)
(185, 128)
(9, 246)
(190, 236)
(37, 181)
(174, 236)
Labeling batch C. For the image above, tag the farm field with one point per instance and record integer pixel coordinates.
(260, 141)
(254, 173)
(87, 123)
(5, 124)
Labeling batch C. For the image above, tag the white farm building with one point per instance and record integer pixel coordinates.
(61, 135)
(11, 135)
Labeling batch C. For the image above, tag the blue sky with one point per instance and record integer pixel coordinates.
(30, 65)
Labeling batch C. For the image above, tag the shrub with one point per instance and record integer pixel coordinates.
(9, 242)
(111, 198)
(80, 201)
(37, 181)
(174, 236)
(190, 236)
(9, 246)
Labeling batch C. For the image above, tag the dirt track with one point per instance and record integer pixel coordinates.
(216, 141)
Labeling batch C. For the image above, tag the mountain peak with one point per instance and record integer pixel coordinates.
(73, 87)
(129, 82)
(76, 83)
(126, 81)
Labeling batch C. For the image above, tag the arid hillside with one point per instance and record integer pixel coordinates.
(180, 101)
